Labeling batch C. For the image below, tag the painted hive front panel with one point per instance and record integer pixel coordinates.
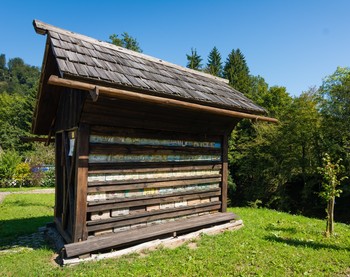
(142, 177)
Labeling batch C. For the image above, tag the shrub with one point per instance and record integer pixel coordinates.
(8, 162)
(22, 174)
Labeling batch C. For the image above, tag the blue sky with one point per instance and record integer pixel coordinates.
(291, 43)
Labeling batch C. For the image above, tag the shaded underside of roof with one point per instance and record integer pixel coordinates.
(84, 58)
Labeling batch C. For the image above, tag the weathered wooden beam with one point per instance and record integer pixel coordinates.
(82, 164)
(162, 184)
(35, 139)
(224, 185)
(142, 234)
(150, 200)
(156, 100)
(157, 215)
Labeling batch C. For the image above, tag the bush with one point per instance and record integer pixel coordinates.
(9, 160)
(22, 174)
(48, 179)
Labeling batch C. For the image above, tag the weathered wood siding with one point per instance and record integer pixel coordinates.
(148, 165)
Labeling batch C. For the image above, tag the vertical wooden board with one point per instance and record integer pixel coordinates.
(224, 172)
(58, 177)
(82, 156)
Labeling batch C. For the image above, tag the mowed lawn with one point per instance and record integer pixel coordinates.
(270, 244)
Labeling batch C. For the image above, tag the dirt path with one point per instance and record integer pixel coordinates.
(34, 191)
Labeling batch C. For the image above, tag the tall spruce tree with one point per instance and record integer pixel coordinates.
(214, 65)
(194, 60)
(237, 71)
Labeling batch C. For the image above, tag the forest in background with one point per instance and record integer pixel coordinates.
(271, 165)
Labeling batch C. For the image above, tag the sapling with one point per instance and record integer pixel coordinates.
(331, 180)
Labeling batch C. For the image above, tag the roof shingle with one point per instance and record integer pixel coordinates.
(82, 57)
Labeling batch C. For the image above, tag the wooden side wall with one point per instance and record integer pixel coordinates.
(149, 165)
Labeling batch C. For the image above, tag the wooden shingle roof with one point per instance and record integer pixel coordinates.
(83, 58)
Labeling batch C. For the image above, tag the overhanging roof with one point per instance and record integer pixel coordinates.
(84, 59)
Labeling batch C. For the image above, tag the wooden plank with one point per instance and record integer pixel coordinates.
(59, 190)
(150, 166)
(35, 139)
(148, 233)
(82, 156)
(224, 173)
(154, 185)
(149, 200)
(154, 244)
(145, 133)
(156, 114)
(152, 180)
(110, 149)
(152, 215)
(62, 232)
(151, 123)
(160, 167)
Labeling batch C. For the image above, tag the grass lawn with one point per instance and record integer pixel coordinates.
(22, 189)
(270, 244)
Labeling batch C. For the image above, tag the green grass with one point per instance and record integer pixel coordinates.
(270, 244)
(22, 214)
(22, 189)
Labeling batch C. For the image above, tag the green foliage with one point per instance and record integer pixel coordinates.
(194, 60)
(331, 181)
(18, 86)
(48, 179)
(9, 161)
(41, 155)
(214, 64)
(22, 174)
(125, 41)
(335, 110)
(237, 72)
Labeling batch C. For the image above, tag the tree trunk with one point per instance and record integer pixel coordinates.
(330, 217)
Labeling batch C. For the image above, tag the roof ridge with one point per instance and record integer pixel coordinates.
(42, 28)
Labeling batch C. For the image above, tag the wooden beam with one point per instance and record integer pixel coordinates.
(35, 139)
(82, 164)
(156, 100)
(224, 173)
(142, 234)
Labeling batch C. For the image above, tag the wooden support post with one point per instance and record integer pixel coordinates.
(224, 173)
(80, 204)
(58, 174)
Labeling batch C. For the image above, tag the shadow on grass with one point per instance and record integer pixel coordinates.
(26, 203)
(302, 243)
(291, 230)
(22, 232)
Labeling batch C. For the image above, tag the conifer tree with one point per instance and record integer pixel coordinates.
(237, 71)
(126, 41)
(214, 65)
(194, 60)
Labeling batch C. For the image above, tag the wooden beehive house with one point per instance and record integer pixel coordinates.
(141, 144)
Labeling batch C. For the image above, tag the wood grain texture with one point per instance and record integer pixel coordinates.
(142, 234)
(79, 226)
(150, 200)
(224, 173)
